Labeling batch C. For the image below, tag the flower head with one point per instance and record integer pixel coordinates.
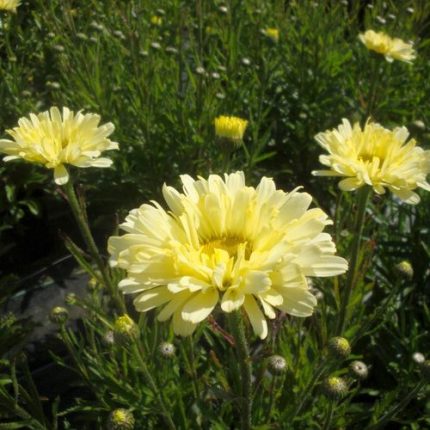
(9, 5)
(272, 33)
(121, 419)
(54, 140)
(230, 127)
(156, 20)
(377, 157)
(228, 243)
(391, 49)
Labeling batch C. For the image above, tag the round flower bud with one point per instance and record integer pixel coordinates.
(108, 338)
(425, 369)
(335, 387)
(339, 347)
(277, 364)
(358, 370)
(167, 349)
(405, 269)
(124, 329)
(59, 315)
(121, 419)
(418, 357)
(71, 299)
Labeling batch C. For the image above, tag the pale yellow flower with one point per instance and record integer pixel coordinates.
(377, 157)
(390, 48)
(230, 127)
(55, 140)
(9, 5)
(156, 20)
(272, 33)
(226, 243)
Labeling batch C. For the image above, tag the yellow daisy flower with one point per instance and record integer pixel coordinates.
(54, 140)
(226, 243)
(390, 48)
(9, 5)
(377, 157)
(272, 33)
(230, 127)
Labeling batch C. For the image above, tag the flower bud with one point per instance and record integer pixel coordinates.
(167, 349)
(335, 387)
(121, 419)
(339, 348)
(108, 338)
(124, 329)
(230, 128)
(71, 299)
(418, 357)
(277, 364)
(405, 269)
(358, 369)
(59, 315)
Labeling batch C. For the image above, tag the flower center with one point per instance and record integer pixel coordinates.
(229, 244)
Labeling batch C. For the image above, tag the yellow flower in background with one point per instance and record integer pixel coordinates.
(230, 127)
(55, 140)
(391, 48)
(9, 5)
(272, 33)
(377, 157)
(156, 20)
(226, 243)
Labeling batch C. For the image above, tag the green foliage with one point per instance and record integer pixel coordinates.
(162, 86)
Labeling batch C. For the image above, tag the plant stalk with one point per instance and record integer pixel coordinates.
(81, 220)
(244, 358)
(363, 196)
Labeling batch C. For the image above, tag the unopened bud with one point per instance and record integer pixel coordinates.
(404, 268)
(418, 357)
(335, 387)
(108, 338)
(121, 419)
(277, 364)
(339, 347)
(358, 369)
(59, 315)
(124, 329)
(71, 299)
(167, 349)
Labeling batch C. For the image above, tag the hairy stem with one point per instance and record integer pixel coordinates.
(363, 196)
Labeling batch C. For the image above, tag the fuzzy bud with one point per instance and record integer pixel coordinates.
(277, 364)
(71, 299)
(339, 348)
(404, 268)
(335, 387)
(59, 315)
(121, 419)
(418, 357)
(358, 369)
(167, 349)
(124, 329)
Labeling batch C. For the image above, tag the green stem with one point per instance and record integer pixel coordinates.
(81, 219)
(244, 359)
(329, 416)
(309, 388)
(153, 386)
(398, 407)
(363, 196)
(271, 398)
